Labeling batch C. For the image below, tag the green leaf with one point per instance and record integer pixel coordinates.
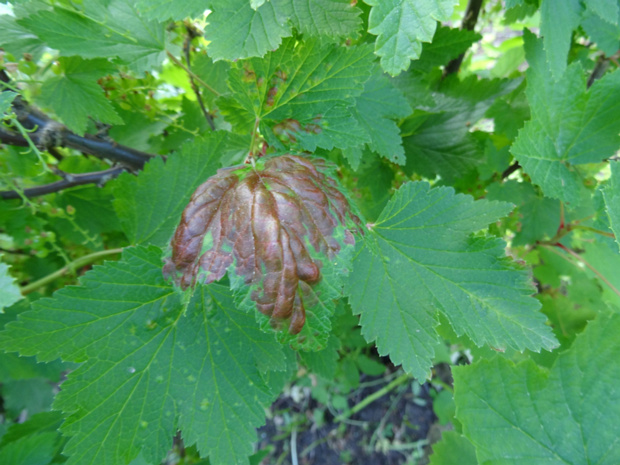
(369, 366)
(6, 99)
(402, 26)
(331, 18)
(137, 130)
(302, 91)
(569, 125)
(539, 216)
(37, 449)
(94, 211)
(438, 140)
(602, 256)
(605, 9)
(453, 449)
(9, 291)
(215, 74)
(162, 10)
(14, 367)
(523, 414)
(558, 19)
(323, 362)
(420, 258)
(114, 31)
(441, 146)
(39, 423)
(602, 31)
(151, 364)
(150, 206)
(447, 44)
(509, 115)
(18, 40)
(75, 96)
(611, 194)
(34, 395)
(336, 128)
(379, 102)
(236, 30)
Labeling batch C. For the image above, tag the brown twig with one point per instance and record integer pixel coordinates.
(70, 180)
(578, 257)
(511, 169)
(601, 67)
(469, 22)
(47, 134)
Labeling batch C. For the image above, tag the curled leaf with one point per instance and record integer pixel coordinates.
(275, 227)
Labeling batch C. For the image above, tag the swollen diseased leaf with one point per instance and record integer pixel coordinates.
(151, 365)
(402, 26)
(150, 205)
(524, 414)
(570, 125)
(9, 292)
(420, 258)
(236, 30)
(280, 229)
(611, 194)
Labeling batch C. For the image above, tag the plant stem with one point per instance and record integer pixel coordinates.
(469, 22)
(594, 230)
(25, 134)
(187, 49)
(374, 396)
(511, 169)
(586, 263)
(250, 157)
(72, 180)
(69, 268)
(294, 460)
(177, 62)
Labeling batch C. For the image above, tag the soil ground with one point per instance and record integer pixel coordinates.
(392, 430)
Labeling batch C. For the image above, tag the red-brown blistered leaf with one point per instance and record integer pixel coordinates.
(269, 222)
